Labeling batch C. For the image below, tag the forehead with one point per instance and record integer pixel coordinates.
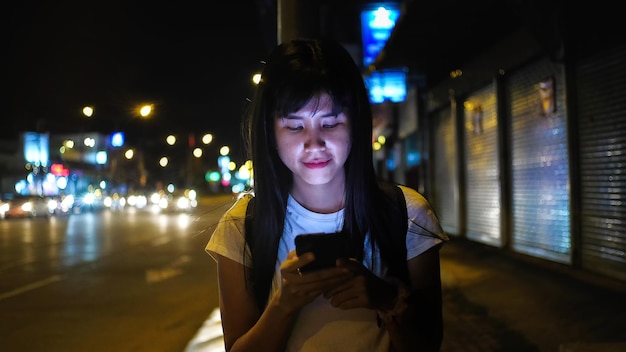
(319, 104)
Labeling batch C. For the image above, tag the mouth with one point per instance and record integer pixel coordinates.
(317, 164)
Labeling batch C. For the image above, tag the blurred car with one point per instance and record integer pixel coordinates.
(115, 202)
(62, 204)
(28, 206)
(178, 201)
(136, 201)
(87, 202)
(4, 206)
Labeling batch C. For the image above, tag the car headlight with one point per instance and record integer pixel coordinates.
(28, 207)
(182, 203)
(52, 204)
(89, 198)
(67, 202)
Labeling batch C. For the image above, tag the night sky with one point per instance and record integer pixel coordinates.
(193, 60)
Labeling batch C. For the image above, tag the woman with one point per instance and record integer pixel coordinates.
(309, 131)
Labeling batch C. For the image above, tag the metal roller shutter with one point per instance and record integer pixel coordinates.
(601, 103)
(482, 172)
(446, 185)
(540, 197)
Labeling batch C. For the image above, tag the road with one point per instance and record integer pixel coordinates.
(108, 281)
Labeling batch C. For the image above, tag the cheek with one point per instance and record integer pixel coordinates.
(346, 148)
(282, 141)
(343, 142)
(285, 147)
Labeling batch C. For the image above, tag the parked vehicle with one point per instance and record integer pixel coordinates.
(28, 206)
(4, 206)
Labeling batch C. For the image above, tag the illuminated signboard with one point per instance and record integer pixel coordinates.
(37, 148)
(387, 84)
(377, 22)
(117, 139)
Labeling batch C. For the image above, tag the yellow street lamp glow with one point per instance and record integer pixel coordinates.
(256, 78)
(163, 161)
(145, 110)
(197, 152)
(171, 139)
(207, 138)
(224, 150)
(88, 111)
(129, 154)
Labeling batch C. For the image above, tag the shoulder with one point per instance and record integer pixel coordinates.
(241, 204)
(237, 210)
(421, 214)
(413, 198)
(228, 237)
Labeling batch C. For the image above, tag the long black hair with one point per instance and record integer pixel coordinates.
(294, 73)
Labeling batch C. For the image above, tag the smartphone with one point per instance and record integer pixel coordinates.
(327, 248)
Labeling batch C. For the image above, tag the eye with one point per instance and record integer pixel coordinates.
(330, 125)
(294, 126)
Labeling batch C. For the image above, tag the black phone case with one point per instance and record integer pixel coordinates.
(327, 248)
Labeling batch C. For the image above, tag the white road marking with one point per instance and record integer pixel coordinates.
(168, 272)
(30, 287)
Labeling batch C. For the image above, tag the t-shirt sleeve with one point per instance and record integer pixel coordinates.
(424, 230)
(228, 237)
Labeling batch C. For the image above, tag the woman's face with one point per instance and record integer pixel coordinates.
(314, 142)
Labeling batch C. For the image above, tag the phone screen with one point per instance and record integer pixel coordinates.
(327, 248)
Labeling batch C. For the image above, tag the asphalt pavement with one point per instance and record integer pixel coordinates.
(497, 301)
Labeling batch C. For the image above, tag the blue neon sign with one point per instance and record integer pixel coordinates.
(377, 22)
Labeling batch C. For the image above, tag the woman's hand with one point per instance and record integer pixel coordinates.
(362, 290)
(299, 289)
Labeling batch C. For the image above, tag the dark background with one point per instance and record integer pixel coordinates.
(193, 60)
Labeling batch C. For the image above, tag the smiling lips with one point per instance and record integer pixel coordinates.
(316, 164)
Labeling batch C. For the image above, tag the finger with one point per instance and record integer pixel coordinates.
(350, 263)
(291, 255)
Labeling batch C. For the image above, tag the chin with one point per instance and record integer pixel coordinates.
(318, 179)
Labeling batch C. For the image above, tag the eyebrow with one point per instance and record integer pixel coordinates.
(294, 116)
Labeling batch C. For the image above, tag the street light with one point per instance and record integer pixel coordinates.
(145, 110)
(88, 111)
(256, 78)
(129, 154)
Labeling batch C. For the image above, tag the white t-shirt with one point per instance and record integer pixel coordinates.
(320, 326)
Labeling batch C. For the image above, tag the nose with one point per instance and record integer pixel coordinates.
(314, 141)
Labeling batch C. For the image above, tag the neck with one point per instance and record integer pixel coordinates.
(324, 199)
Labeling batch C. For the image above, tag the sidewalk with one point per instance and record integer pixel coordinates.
(499, 302)
(496, 301)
